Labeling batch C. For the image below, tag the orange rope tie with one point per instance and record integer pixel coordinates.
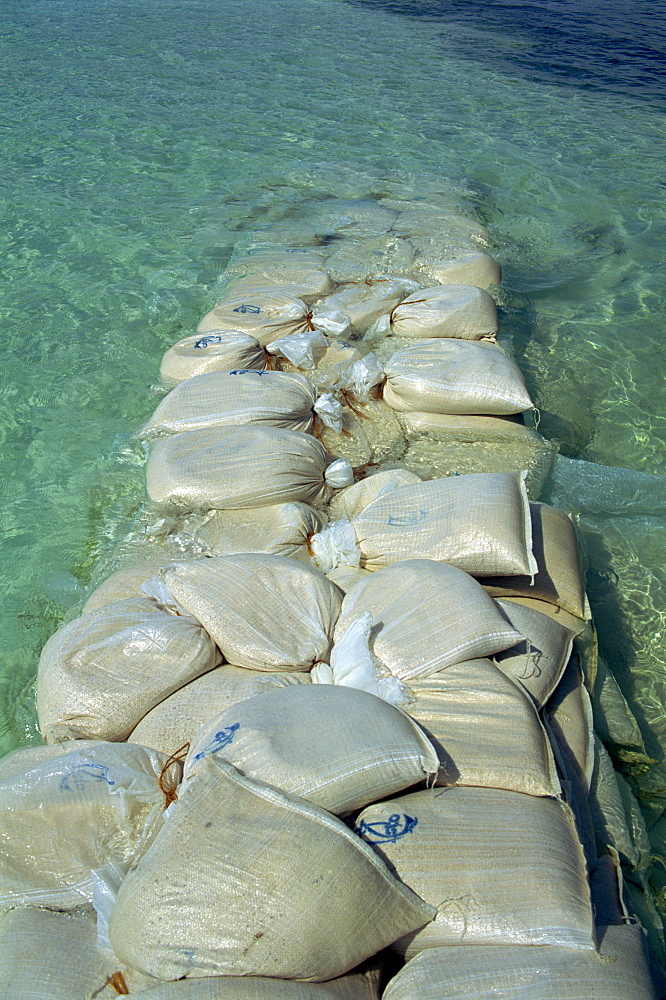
(117, 980)
(167, 785)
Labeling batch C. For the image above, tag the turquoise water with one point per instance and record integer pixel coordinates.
(142, 141)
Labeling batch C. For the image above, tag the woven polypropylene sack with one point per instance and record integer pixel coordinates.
(63, 815)
(330, 363)
(177, 720)
(101, 673)
(355, 986)
(426, 616)
(126, 583)
(244, 880)
(359, 259)
(241, 396)
(213, 352)
(263, 315)
(348, 503)
(460, 311)
(485, 729)
(618, 971)
(264, 612)
(477, 523)
(337, 747)
(558, 579)
(278, 529)
(472, 267)
(305, 283)
(540, 659)
(249, 466)
(418, 222)
(502, 868)
(364, 302)
(568, 715)
(455, 377)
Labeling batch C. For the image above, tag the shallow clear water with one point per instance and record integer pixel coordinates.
(143, 140)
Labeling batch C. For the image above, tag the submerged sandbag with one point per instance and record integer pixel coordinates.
(568, 717)
(473, 267)
(460, 311)
(485, 730)
(263, 315)
(355, 986)
(126, 582)
(541, 657)
(63, 815)
(365, 301)
(177, 720)
(101, 673)
(305, 283)
(214, 352)
(281, 529)
(330, 359)
(370, 434)
(502, 868)
(250, 466)
(370, 257)
(337, 747)
(264, 612)
(320, 901)
(455, 377)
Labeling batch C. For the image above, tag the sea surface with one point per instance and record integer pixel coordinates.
(142, 141)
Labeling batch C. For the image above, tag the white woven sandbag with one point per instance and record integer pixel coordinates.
(501, 867)
(370, 433)
(357, 217)
(370, 257)
(568, 717)
(485, 729)
(241, 396)
(250, 466)
(355, 986)
(177, 720)
(448, 311)
(126, 583)
(348, 503)
(61, 816)
(477, 523)
(426, 616)
(616, 813)
(419, 222)
(101, 673)
(539, 660)
(264, 315)
(344, 577)
(330, 361)
(247, 881)
(618, 971)
(364, 302)
(305, 283)
(264, 612)
(279, 529)
(456, 377)
(337, 747)
(471, 267)
(259, 260)
(213, 352)
(558, 578)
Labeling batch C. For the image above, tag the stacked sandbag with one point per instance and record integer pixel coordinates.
(282, 529)
(264, 315)
(330, 358)
(305, 283)
(355, 986)
(366, 301)
(460, 311)
(213, 352)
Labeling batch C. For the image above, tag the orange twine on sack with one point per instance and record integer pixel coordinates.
(167, 785)
(117, 980)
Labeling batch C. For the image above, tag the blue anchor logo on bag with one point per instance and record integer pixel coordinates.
(85, 774)
(408, 520)
(247, 371)
(387, 831)
(221, 739)
(215, 338)
(247, 309)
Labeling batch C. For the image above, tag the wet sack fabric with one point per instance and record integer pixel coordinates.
(200, 354)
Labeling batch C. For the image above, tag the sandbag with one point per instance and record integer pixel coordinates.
(354, 217)
(364, 302)
(337, 747)
(214, 352)
(281, 529)
(177, 720)
(370, 434)
(558, 578)
(126, 582)
(101, 673)
(330, 362)
(568, 718)
(305, 283)
(502, 868)
(314, 885)
(63, 815)
(540, 658)
(370, 257)
(618, 971)
(455, 377)
(264, 612)
(250, 466)
(259, 260)
(615, 812)
(419, 222)
(344, 577)
(241, 396)
(484, 728)
(477, 523)
(263, 315)
(348, 503)
(459, 311)
(355, 986)
(472, 267)
(426, 616)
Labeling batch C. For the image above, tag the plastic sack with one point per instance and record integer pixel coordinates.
(348, 503)
(370, 434)
(213, 352)
(355, 986)
(302, 350)
(279, 529)
(568, 718)
(335, 546)
(419, 222)
(338, 748)
(329, 362)
(540, 659)
(101, 673)
(469, 267)
(366, 301)
(305, 283)
(264, 315)
(353, 665)
(63, 815)
(228, 831)
(358, 259)
(126, 583)
(460, 311)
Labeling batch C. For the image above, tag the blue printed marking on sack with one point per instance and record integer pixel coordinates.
(215, 338)
(247, 309)
(248, 371)
(85, 774)
(408, 520)
(221, 739)
(387, 831)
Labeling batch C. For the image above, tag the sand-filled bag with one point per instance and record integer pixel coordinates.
(501, 867)
(370, 433)
(281, 529)
(457, 311)
(420, 222)
(426, 615)
(264, 612)
(61, 816)
(476, 522)
(305, 283)
(470, 267)
(485, 729)
(177, 720)
(212, 352)
(618, 971)
(241, 396)
(355, 986)
(337, 747)
(101, 673)
(329, 359)
(568, 717)
(365, 301)
(126, 582)
(249, 466)
(539, 660)
(265, 884)
(558, 577)
(455, 377)
(264, 315)
(370, 257)
(265, 259)
(348, 503)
